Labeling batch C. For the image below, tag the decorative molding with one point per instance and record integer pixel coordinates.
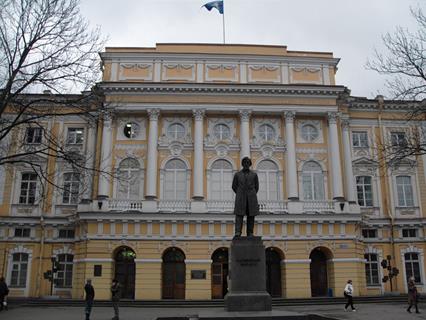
(153, 114)
(245, 115)
(198, 261)
(296, 261)
(290, 116)
(198, 114)
(332, 117)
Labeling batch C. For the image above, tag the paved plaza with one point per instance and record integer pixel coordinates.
(367, 311)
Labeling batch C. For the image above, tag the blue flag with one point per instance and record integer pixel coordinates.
(215, 4)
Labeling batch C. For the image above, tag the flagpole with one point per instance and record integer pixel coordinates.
(223, 21)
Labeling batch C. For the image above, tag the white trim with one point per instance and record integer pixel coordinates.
(347, 260)
(19, 249)
(420, 252)
(148, 260)
(293, 261)
(65, 250)
(197, 261)
(93, 260)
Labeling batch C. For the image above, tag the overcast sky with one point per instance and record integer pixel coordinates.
(351, 29)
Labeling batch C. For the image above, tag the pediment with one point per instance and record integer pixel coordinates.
(364, 162)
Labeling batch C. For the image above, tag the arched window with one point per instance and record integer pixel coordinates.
(309, 132)
(176, 131)
(18, 277)
(221, 181)
(372, 269)
(175, 180)
(267, 171)
(266, 132)
(312, 181)
(71, 188)
(412, 266)
(64, 273)
(405, 191)
(364, 191)
(129, 179)
(221, 131)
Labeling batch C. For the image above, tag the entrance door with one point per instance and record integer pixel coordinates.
(273, 273)
(318, 266)
(173, 274)
(220, 273)
(125, 271)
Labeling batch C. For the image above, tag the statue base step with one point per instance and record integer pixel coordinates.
(248, 301)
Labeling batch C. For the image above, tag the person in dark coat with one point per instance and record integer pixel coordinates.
(245, 186)
(115, 297)
(4, 291)
(90, 296)
(413, 296)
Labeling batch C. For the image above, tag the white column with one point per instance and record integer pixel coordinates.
(245, 133)
(198, 192)
(292, 185)
(350, 188)
(106, 157)
(334, 156)
(151, 169)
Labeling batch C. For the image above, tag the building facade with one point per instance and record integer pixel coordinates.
(181, 118)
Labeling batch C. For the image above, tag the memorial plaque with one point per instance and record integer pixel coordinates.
(198, 274)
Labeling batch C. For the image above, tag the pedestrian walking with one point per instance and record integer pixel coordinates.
(115, 297)
(4, 291)
(413, 295)
(348, 292)
(90, 296)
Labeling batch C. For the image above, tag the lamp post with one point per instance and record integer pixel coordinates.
(392, 271)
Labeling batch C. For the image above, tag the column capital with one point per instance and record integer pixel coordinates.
(345, 123)
(198, 114)
(289, 116)
(153, 114)
(332, 117)
(245, 115)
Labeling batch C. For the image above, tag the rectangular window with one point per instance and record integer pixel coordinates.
(33, 135)
(28, 188)
(64, 274)
(369, 233)
(372, 269)
(66, 233)
(412, 267)
(71, 188)
(405, 191)
(360, 139)
(75, 136)
(398, 139)
(364, 191)
(409, 233)
(18, 277)
(22, 232)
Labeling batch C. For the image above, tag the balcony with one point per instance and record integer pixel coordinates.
(319, 206)
(125, 205)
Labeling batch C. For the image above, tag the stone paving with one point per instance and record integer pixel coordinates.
(367, 311)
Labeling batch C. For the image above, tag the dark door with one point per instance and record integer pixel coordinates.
(318, 266)
(273, 273)
(220, 273)
(125, 272)
(173, 274)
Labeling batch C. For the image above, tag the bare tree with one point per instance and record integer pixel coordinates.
(46, 45)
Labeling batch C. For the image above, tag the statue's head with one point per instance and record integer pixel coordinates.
(246, 163)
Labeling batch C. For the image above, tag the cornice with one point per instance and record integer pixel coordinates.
(364, 104)
(221, 89)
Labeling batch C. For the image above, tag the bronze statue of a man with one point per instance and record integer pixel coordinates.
(245, 186)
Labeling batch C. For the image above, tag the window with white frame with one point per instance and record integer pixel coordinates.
(221, 131)
(71, 189)
(268, 174)
(28, 190)
(129, 175)
(364, 191)
(404, 191)
(312, 181)
(176, 131)
(64, 273)
(221, 181)
(18, 277)
(266, 132)
(33, 135)
(360, 139)
(175, 180)
(409, 233)
(412, 266)
(309, 132)
(372, 269)
(22, 232)
(75, 136)
(131, 130)
(398, 139)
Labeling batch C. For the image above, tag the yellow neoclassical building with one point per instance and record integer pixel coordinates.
(181, 118)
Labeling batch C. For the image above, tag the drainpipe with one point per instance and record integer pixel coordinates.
(381, 103)
(40, 258)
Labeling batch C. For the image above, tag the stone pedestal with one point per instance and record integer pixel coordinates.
(247, 276)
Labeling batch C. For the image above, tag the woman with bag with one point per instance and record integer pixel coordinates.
(413, 295)
(4, 291)
(349, 289)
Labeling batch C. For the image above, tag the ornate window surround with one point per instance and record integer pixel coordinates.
(324, 172)
(280, 173)
(315, 123)
(163, 173)
(121, 122)
(20, 249)
(420, 252)
(379, 252)
(141, 174)
(209, 171)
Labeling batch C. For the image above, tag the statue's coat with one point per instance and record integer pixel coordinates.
(245, 186)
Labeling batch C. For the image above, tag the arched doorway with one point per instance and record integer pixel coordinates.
(319, 274)
(125, 271)
(273, 272)
(219, 273)
(173, 274)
